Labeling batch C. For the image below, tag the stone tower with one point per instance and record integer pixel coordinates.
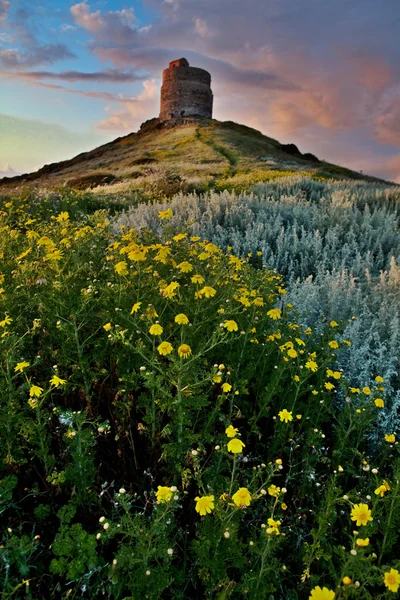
(185, 92)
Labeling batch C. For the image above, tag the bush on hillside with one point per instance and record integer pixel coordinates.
(337, 246)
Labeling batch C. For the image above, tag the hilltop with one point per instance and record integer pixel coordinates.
(189, 155)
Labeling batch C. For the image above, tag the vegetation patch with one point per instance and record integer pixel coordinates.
(173, 429)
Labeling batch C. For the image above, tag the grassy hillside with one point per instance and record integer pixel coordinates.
(197, 156)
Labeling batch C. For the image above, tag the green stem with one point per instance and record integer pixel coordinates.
(392, 505)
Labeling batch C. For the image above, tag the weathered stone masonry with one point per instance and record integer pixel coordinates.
(185, 92)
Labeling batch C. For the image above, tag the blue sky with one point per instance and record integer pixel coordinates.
(324, 75)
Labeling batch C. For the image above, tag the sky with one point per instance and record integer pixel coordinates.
(322, 74)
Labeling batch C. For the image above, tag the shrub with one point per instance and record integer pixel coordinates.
(171, 430)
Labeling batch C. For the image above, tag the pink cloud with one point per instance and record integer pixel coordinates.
(118, 26)
(89, 94)
(144, 107)
(106, 75)
(387, 122)
(4, 8)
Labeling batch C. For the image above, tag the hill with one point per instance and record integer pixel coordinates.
(190, 155)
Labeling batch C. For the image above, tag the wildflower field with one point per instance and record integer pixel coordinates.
(174, 424)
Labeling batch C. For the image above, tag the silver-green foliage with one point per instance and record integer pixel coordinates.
(337, 245)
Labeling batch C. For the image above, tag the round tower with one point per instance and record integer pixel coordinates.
(185, 92)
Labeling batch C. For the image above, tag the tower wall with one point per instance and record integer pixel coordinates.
(185, 92)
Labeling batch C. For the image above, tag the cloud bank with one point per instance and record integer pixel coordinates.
(320, 74)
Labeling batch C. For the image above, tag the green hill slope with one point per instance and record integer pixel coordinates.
(191, 156)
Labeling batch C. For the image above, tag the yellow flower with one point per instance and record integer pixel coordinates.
(24, 254)
(236, 262)
(184, 351)
(62, 217)
(181, 319)
(333, 324)
(231, 325)
(355, 390)
(197, 279)
(226, 387)
(337, 375)
(107, 326)
(321, 594)
(165, 214)
(299, 417)
(164, 348)
(55, 255)
(391, 438)
(382, 489)
(274, 491)
(179, 237)
(315, 393)
(121, 268)
(137, 255)
(156, 329)
(333, 344)
(21, 366)
(329, 385)
(379, 379)
(35, 391)
(32, 402)
(151, 312)
(296, 378)
(204, 504)
(274, 314)
(235, 446)
(57, 381)
(231, 431)
(273, 526)
(6, 321)
(311, 365)
(362, 542)
(211, 248)
(366, 390)
(185, 267)
(285, 415)
(292, 353)
(379, 403)
(283, 506)
(392, 580)
(242, 497)
(163, 494)
(135, 307)
(207, 291)
(346, 580)
(169, 290)
(361, 514)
